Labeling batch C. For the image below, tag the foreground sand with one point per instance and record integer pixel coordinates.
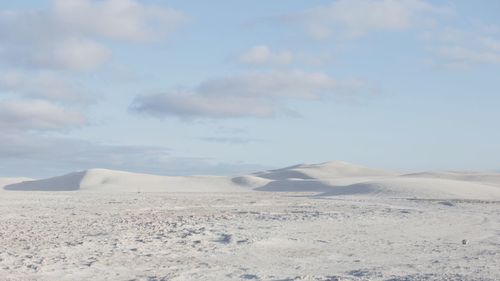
(245, 236)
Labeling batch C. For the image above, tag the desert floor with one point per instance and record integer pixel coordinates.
(245, 236)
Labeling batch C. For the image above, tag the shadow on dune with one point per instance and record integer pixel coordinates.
(352, 189)
(325, 189)
(68, 182)
(283, 174)
(295, 186)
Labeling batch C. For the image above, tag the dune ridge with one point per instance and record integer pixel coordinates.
(104, 180)
(335, 178)
(9, 181)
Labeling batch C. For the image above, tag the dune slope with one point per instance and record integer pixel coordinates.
(334, 169)
(423, 188)
(328, 179)
(102, 180)
(9, 181)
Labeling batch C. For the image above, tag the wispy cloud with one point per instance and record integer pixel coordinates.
(245, 95)
(229, 140)
(35, 39)
(263, 55)
(21, 115)
(42, 85)
(70, 35)
(354, 18)
(128, 20)
(464, 48)
(42, 51)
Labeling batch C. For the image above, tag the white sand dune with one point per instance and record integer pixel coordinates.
(340, 178)
(295, 185)
(102, 180)
(334, 169)
(9, 181)
(423, 188)
(250, 181)
(328, 179)
(484, 178)
(351, 223)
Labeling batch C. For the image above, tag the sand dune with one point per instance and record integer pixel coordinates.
(327, 179)
(340, 178)
(424, 188)
(484, 178)
(295, 185)
(102, 180)
(250, 181)
(9, 181)
(350, 223)
(334, 169)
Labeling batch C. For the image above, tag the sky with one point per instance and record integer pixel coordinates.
(230, 87)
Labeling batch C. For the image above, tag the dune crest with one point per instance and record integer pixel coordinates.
(8, 181)
(103, 180)
(326, 179)
(333, 169)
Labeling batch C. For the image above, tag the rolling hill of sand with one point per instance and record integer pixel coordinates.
(344, 222)
(8, 181)
(326, 179)
(102, 180)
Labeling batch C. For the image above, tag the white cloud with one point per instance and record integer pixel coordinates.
(461, 49)
(40, 49)
(74, 54)
(69, 36)
(492, 44)
(118, 19)
(35, 40)
(42, 85)
(461, 56)
(263, 55)
(294, 84)
(229, 140)
(19, 115)
(245, 95)
(354, 18)
(193, 105)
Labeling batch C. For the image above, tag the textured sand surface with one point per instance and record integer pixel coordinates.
(245, 236)
(344, 222)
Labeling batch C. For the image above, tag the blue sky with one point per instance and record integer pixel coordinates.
(228, 87)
